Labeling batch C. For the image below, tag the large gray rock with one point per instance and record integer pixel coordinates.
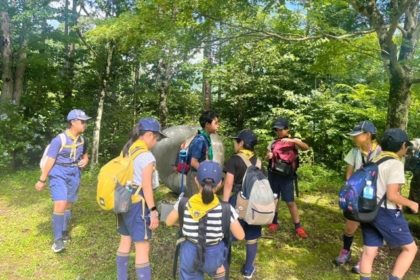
(166, 152)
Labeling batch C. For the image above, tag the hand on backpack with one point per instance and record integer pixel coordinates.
(82, 163)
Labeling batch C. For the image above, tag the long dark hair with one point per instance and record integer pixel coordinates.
(135, 134)
(207, 194)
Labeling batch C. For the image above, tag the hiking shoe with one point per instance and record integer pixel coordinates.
(273, 228)
(66, 237)
(248, 274)
(356, 269)
(300, 231)
(344, 257)
(58, 246)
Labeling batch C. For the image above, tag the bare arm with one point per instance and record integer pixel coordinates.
(349, 171)
(44, 173)
(148, 194)
(237, 230)
(172, 218)
(227, 190)
(194, 163)
(393, 194)
(302, 145)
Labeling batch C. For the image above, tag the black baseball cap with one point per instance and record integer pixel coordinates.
(363, 127)
(281, 123)
(396, 135)
(248, 136)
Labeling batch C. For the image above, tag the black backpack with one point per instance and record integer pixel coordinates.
(226, 213)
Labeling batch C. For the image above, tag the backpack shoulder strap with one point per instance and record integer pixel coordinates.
(63, 140)
(181, 209)
(226, 214)
(382, 160)
(244, 159)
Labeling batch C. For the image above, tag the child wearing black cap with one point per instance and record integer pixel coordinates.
(203, 250)
(282, 154)
(390, 225)
(235, 169)
(367, 148)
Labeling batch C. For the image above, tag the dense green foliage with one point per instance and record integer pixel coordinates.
(157, 68)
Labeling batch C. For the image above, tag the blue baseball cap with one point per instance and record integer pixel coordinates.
(209, 171)
(397, 135)
(151, 124)
(363, 127)
(77, 114)
(248, 136)
(281, 123)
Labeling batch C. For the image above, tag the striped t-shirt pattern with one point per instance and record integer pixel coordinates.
(214, 230)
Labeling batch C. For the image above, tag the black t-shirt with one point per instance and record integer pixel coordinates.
(236, 166)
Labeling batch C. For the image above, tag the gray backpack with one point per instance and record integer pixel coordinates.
(255, 203)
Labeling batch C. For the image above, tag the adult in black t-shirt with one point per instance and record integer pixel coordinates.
(235, 169)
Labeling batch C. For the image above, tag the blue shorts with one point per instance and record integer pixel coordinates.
(251, 231)
(214, 258)
(390, 226)
(64, 183)
(133, 223)
(283, 186)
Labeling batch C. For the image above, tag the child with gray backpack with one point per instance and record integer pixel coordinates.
(248, 190)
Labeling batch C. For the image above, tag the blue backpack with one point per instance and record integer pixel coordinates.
(357, 198)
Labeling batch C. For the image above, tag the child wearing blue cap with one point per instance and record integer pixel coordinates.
(136, 225)
(390, 226)
(367, 148)
(62, 163)
(203, 250)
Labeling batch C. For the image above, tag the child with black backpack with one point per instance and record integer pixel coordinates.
(235, 169)
(282, 154)
(203, 248)
(367, 148)
(389, 224)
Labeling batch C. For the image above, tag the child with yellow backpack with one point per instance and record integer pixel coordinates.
(132, 173)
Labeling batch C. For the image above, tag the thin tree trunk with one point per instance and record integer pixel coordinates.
(7, 57)
(207, 94)
(20, 71)
(163, 80)
(104, 91)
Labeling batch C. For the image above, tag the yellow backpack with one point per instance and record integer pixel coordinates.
(117, 173)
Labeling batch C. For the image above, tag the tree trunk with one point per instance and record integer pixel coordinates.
(398, 100)
(163, 80)
(104, 91)
(208, 60)
(20, 71)
(7, 56)
(68, 71)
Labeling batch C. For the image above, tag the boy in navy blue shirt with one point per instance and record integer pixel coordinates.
(201, 148)
(390, 225)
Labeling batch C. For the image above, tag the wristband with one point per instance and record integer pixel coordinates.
(42, 181)
(153, 209)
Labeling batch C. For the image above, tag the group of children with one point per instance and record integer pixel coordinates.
(203, 213)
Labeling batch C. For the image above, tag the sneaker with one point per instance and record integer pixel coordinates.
(344, 257)
(58, 246)
(66, 237)
(273, 228)
(356, 269)
(300, 231)
(248, 274)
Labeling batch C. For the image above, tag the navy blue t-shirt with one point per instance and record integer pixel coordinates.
(198, 149)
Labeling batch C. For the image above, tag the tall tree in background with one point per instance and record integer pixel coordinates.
(7, 57)
(397, 28)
